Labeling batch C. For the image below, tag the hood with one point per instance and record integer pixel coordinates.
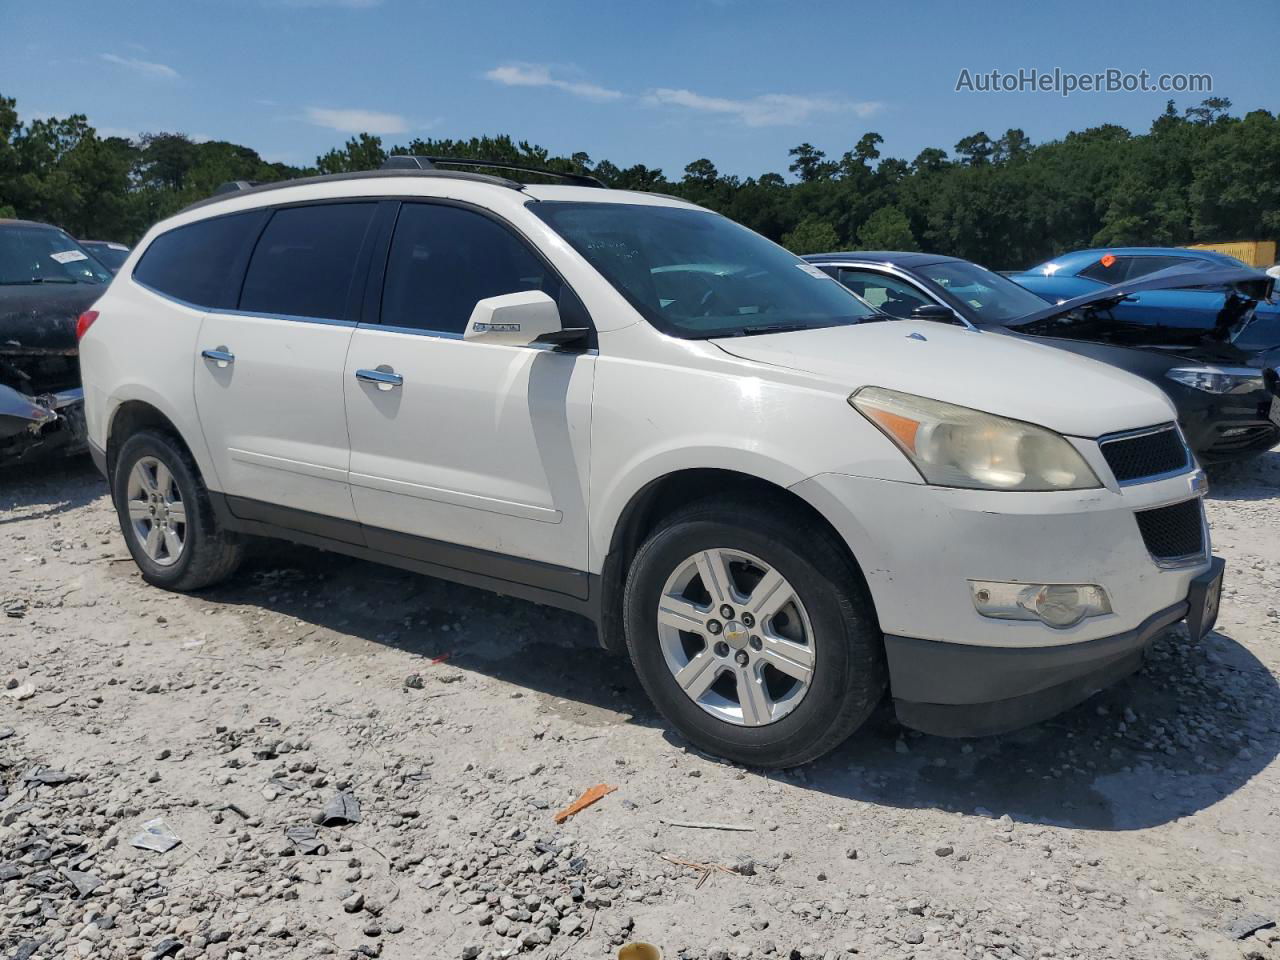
(41, 318)
(1240, 283)
(1007, 376)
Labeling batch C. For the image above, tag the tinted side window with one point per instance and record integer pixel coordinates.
(1130, 268)
(201, 263)
(305, 261)
(443, 259)
(887, 294)
(1116, 271)
(1142, 266)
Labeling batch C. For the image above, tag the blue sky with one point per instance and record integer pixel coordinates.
(662, 82)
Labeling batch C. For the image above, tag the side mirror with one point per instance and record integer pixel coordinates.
(515, 319)
(934, 311)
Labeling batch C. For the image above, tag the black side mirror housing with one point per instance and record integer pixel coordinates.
(934, 311)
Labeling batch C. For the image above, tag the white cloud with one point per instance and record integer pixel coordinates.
(122, 132)
(144, 67)
(765, 110)
(357, 121)
(535, 75)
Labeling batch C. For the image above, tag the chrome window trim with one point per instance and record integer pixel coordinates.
(289, 317)
(460, 338)
(898, 274)
(1188, 463)
(228, 312)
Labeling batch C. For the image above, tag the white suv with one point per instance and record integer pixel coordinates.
(627, 406)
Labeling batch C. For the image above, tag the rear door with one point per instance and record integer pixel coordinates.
(269, 373)
(469, 454)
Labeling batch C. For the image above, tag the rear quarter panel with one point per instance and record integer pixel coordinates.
(142, 347)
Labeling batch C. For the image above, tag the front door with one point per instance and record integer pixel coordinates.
(468, 454)
(269, 375)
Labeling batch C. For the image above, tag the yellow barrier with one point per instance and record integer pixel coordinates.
(1256, 253)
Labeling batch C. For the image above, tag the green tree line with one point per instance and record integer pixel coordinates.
(1199, 175)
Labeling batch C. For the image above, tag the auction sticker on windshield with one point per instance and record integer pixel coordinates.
(68, 256)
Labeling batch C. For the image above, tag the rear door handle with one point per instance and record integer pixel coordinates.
(220, 355)
(383, 378)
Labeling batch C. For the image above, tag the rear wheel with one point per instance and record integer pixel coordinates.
(166, 516)
(753, 633)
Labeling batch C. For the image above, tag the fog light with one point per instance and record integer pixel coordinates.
(1056, 604)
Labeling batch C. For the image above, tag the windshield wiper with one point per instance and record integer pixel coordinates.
(19, 283)
(769, 328)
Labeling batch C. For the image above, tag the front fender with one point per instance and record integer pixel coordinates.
(610, 502)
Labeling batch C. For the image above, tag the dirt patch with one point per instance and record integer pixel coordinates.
(1140, 825)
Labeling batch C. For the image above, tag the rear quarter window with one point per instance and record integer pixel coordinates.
(203, 262)
(1130, 268)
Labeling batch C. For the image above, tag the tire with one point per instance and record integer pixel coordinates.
(207, 554)
(833, 615)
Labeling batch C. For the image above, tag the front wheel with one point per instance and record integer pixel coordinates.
(752, 633)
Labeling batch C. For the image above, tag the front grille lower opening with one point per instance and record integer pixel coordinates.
(1175, 532)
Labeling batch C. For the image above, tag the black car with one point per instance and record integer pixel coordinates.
(110, 254)
(1224, 406)
(46, 281)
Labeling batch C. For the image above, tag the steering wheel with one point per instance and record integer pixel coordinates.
(711, 302)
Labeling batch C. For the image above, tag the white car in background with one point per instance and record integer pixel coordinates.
(627, 406)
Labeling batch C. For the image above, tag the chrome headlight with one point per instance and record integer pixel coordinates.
(1218, 379)
(955, 446)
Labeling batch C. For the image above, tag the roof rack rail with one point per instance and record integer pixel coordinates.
(402, 161)
(234, 186)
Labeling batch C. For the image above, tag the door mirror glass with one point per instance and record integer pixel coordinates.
(515, 319)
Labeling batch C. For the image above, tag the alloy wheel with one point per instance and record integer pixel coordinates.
(157, 514)
(736, 637)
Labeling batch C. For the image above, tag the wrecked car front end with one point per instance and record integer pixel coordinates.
(46, 282)
(43, 424)
(41, 402)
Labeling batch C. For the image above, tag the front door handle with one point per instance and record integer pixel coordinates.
(384, 378)
(219, 355)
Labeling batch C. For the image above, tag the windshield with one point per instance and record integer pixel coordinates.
(110, 255)
(36, 254)
(987, 295)
(695, 274)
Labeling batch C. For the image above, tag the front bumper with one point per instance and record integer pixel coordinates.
(1225, 427)
(954, 690)
(956, 672)
(38, 425)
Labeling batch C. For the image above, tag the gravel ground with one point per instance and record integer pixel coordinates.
(450, 725)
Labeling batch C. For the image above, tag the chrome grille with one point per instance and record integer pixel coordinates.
(1141, 455)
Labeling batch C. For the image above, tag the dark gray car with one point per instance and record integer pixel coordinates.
(46, 281)
(1224, 408)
